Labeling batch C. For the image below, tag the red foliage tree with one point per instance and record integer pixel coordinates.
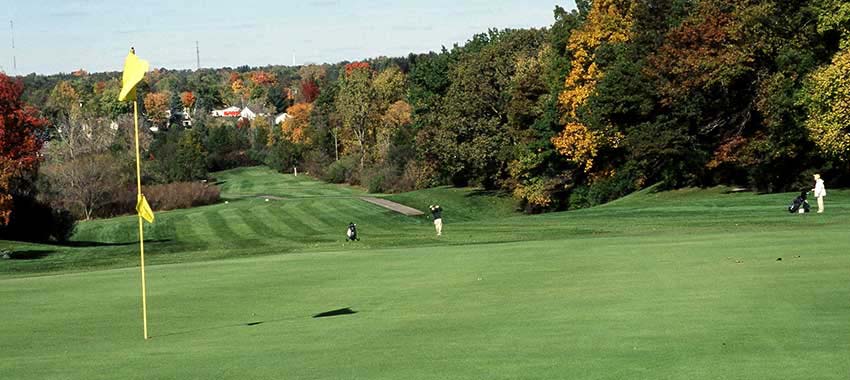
(356, 66)
(707, 49)
(310, 90)
(19, 142)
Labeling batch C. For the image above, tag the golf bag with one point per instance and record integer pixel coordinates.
(351, 233)
(799, 205)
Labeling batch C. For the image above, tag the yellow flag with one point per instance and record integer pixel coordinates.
(134, 72)
(144, 209)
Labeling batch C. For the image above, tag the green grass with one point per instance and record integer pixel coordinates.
(672, 285)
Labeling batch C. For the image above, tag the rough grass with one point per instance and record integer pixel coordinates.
(674, 285)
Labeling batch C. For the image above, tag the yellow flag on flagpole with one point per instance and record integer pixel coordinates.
(134, 72)
(144, 209)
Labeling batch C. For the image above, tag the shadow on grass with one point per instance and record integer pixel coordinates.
(344, 311)
(89, 244)
(334, 313)
(30, 255)
(486, 193)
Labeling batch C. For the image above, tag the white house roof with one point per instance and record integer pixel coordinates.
(281, 118)
(248, 114)
(229, 111)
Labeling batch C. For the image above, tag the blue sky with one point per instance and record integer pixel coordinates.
(61, 36)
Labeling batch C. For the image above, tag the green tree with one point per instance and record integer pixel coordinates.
(474, 142)
(355, 105)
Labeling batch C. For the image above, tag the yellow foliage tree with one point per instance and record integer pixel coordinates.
(828, 100)
(609, 21)
(398, 115)
(578, 144)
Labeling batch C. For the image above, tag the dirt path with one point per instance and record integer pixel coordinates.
(397, 207)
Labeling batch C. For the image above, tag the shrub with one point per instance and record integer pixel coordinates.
(163, 197)
(603, 190)
(178, 156)
(381, 180)
(315, 162)
(181, 195)
(227, 146)
(282, 156)
(417, 175)
(342, 171)
(36, 221)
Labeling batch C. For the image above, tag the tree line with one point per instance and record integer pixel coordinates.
(612, 97)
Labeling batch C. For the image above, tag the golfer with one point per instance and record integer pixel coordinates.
(437, 215)
(820, 192)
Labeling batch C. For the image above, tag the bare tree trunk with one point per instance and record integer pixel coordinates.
(360, 134)
(336, 144)
(362, 155)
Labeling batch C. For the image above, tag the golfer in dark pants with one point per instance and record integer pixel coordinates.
(437, 215)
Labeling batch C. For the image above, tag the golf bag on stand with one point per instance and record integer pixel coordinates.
(351, 233)
(799, 205)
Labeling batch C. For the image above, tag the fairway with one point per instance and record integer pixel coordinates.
(688, 284)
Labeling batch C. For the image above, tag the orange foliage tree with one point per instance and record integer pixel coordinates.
(295, 126)
(263, 78)
(156, 106)
(187, 98)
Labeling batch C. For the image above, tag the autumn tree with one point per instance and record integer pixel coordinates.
(310, 90)
(20, 126)
(828, 101)
(187, 99)
(608, 22)
(311, 77)
(294, 128)
(395, 118)
(157, 105)
(538, 176)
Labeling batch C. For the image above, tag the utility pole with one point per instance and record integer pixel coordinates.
(198, 54)
(14, 59)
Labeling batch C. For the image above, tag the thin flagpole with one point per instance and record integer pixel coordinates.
(141, 226)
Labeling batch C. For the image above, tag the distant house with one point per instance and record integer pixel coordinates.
(231, 111)
(184, 117)
(247, 114)
(281, 118)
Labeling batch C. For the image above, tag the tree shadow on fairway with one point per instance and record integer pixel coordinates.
(30, 255)
(334, 313)
(485, 193)
(90, 244)
(93, 244)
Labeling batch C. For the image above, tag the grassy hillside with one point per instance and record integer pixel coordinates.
(676, 285)
(266, 213)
